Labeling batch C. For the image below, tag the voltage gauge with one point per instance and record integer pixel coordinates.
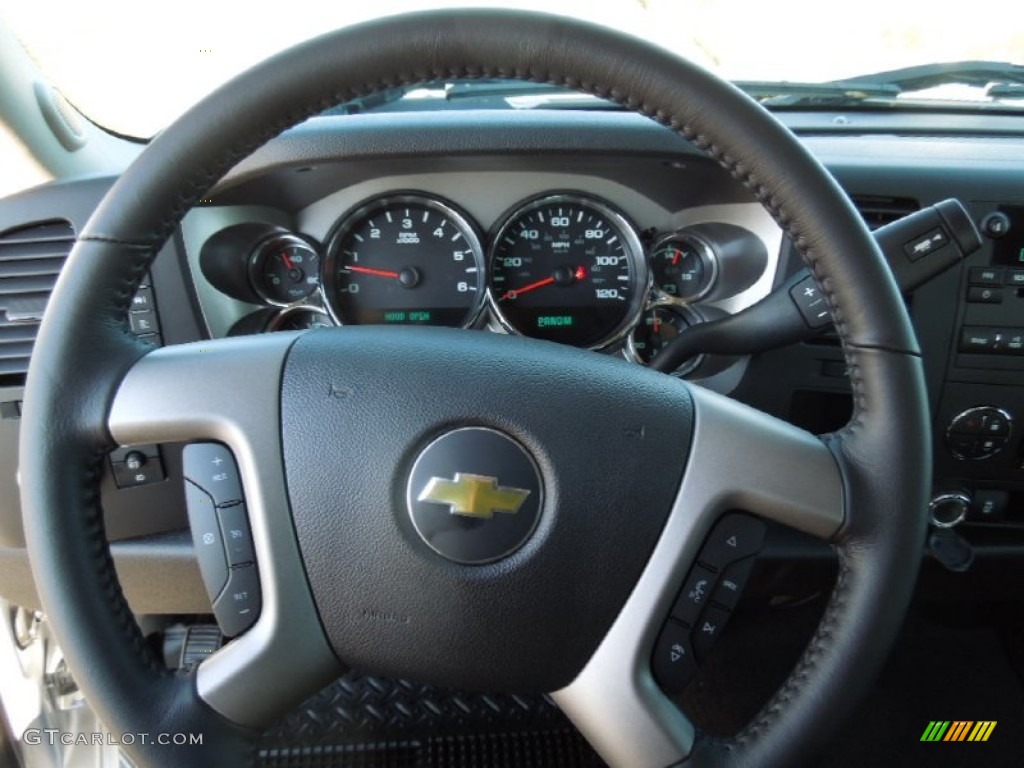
(684, 267)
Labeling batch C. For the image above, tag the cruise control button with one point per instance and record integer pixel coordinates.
(212, 467)
(733, 538)
(672, 662)
(694, 595)
(239, 604)
(206, 538)
(234, 527)
(730, 586)
(708, 629)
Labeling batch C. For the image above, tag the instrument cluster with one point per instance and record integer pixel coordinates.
(566, 267)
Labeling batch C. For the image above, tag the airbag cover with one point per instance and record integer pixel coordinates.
(610, 441)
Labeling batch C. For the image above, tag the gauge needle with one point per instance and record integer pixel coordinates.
(675, 259)
(287, 261)
(370, 271)
(657, 325)
(530, 287)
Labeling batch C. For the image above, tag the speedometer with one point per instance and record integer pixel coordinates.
(405, 260)
(567, 268)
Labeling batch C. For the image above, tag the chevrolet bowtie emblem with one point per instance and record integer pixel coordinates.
(476, 496)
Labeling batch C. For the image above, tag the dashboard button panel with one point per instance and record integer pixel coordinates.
(992, 341)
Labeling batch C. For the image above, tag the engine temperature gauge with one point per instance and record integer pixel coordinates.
(658, 326)
(284, 269)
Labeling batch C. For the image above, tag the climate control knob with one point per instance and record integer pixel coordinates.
(979, 433)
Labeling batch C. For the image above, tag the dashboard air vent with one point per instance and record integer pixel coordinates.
(879, 211)
(30, 259)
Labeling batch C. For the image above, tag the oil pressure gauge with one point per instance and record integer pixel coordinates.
(284, 270)
(261, 263)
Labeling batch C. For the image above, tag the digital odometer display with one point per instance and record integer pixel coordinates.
(405, 260)
(569, 269)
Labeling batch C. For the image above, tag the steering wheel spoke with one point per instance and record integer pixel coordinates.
(195, 392)
(740, 459)
(745, 459)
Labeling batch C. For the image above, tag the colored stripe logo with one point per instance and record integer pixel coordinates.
(958, 730)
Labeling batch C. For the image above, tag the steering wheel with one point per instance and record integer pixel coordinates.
(328, 427)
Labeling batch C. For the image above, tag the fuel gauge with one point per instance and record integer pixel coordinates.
(284, 270)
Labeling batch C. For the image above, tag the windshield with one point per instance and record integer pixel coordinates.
(133, 69)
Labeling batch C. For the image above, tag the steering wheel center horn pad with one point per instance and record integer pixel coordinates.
(374, 422)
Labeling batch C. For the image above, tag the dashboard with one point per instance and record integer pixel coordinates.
(598, 230)
(569, 257)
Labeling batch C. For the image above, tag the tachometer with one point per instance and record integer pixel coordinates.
(405, 260)
(567, 268)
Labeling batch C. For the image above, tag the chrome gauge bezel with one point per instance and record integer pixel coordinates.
(630, 352)
(278, 318)
(626, 231)
(705, 251)
(272, 243)
(345, 224)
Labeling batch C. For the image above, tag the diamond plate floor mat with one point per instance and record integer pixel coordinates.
(370, 722)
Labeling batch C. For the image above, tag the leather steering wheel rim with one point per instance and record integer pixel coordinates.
(84, 351)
